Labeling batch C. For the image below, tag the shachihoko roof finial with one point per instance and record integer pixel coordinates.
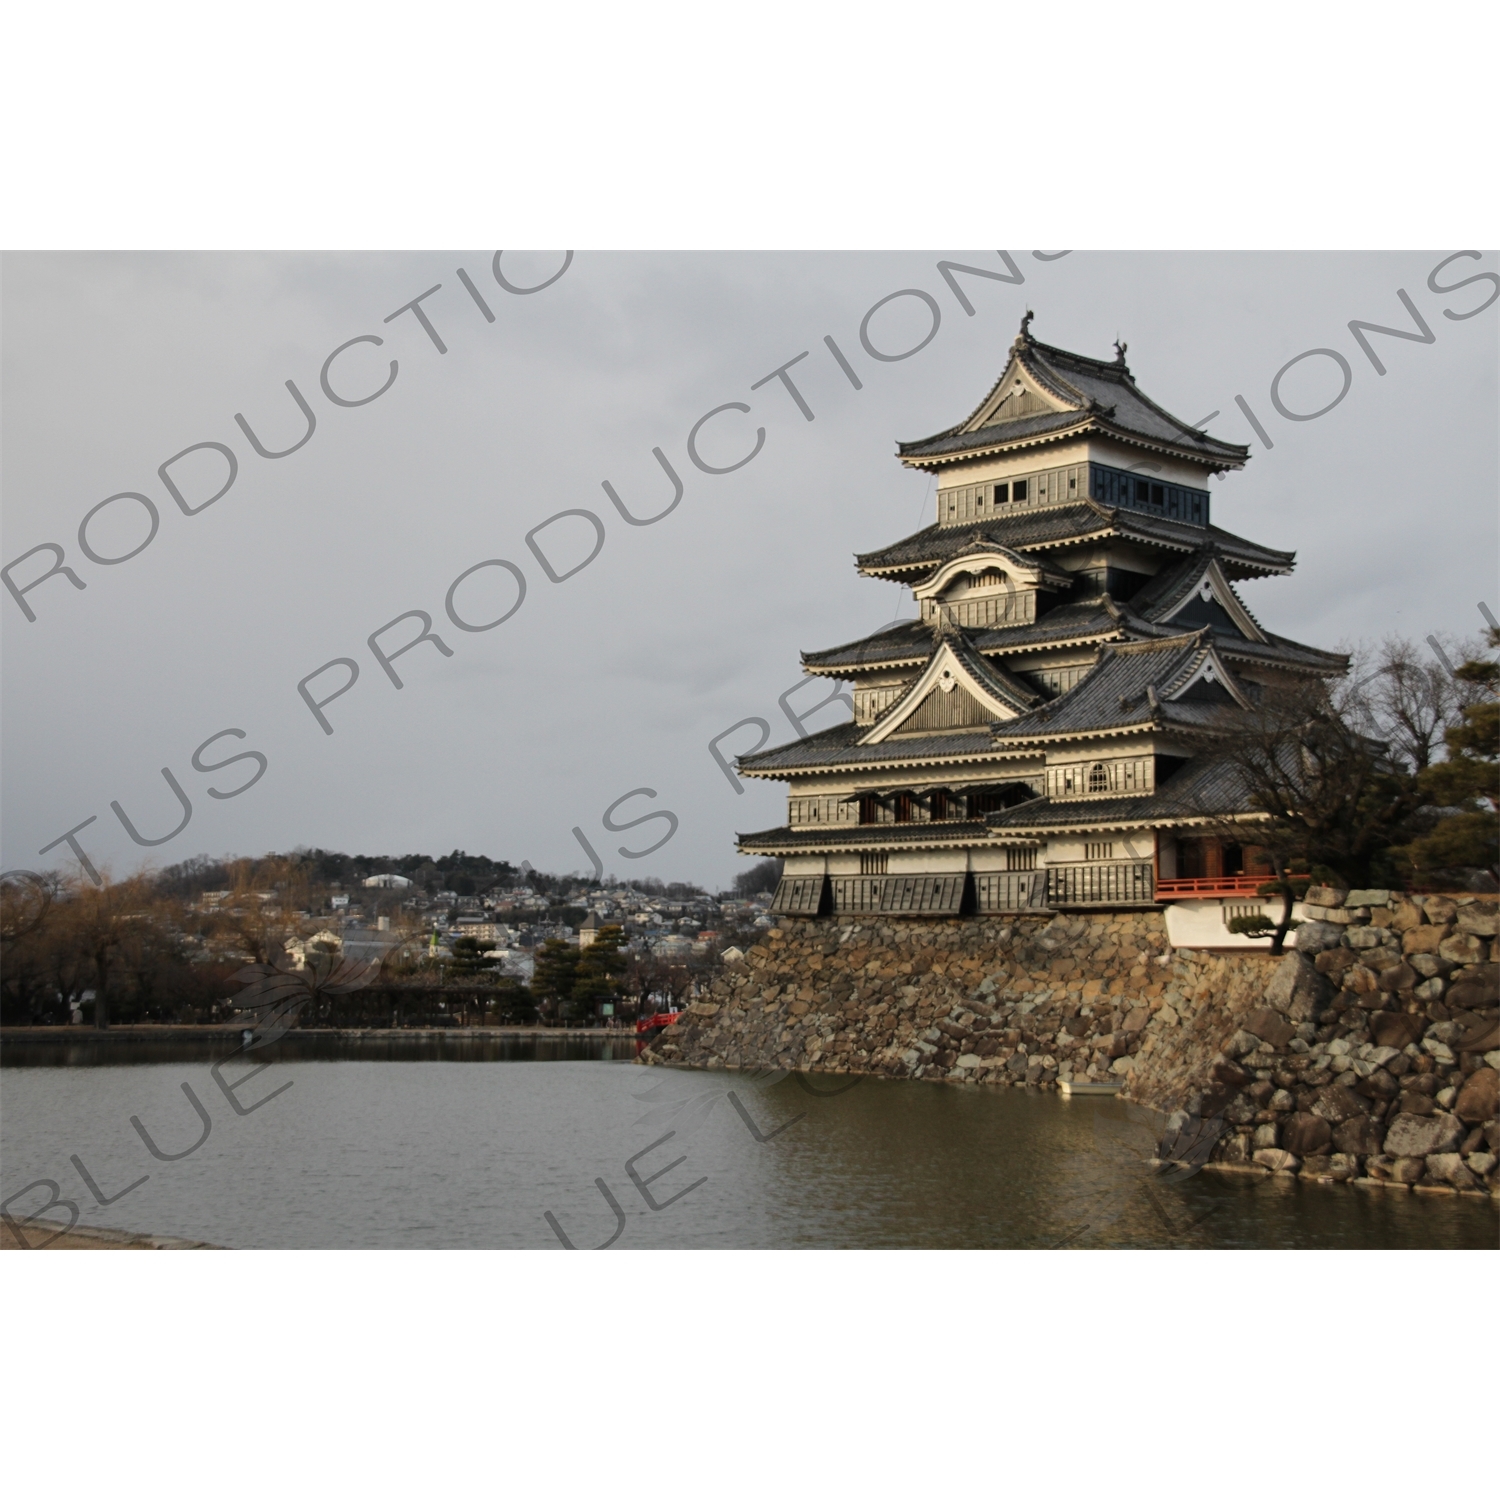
(1120, 352)
(1025, 332)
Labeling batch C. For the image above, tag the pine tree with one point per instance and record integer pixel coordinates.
(469, 960)
(556, 973)
(1469, 780)
(599, 970)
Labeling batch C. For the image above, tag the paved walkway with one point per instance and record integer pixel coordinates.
(82, 1237)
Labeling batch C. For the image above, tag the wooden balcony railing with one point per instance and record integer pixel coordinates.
(1210, 886)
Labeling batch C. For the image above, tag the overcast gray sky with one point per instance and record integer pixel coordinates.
(618, 677)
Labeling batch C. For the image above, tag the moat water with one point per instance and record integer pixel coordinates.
(487, 1152)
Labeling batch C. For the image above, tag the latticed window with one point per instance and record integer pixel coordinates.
(1098, 777)
(1098, 851)
(873, 864)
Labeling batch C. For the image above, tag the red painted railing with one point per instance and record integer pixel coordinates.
(1210, 885)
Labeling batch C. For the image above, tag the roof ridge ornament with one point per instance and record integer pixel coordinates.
(1023, 338)
(1120, 354)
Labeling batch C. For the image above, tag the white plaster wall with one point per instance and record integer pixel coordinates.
(1200, 924)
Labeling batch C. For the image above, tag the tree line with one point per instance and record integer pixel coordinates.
(175, 945)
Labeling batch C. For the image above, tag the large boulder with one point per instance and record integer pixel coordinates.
(1396, 1029)
(1296, 989)
(1269, 1027)
(1405, 914)
(1477, 1100)
(1314, 937)
(1463, 948)
(1401, 977)
(1303, 1135)
(1423, 1135)
(1233, 1148)
(1482, 1034)
(1324, 895)
(1449, 1167)
(1422, 939)
(1276, 1160)
(1336, 1104)
(1378, 1085)
(1333, 961)
(1479, 920)
(1357, 1136)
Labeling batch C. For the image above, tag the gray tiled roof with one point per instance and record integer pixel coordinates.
(1170, 585)
(913, 639)
(1083, 620)
(1059, 525)
(1101, 393)
(959, 441)
(1279, 649)
(1113, 695)
(840, 746)
(821, 835)
(1000, 680)
(1203, 788)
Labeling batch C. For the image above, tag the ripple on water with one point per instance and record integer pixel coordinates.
(414, 1154)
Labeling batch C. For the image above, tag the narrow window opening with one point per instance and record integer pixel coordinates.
(1018, 490)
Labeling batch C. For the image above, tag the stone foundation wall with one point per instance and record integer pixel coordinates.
(1372, 1057)
(1241, 1050)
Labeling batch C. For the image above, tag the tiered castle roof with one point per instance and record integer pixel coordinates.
(1073, 590)
(1047, 394)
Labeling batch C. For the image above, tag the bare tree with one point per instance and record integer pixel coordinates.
(1408, 698)
(1299, 775)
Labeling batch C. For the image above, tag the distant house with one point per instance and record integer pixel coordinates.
(515, 963)
(297, 948)
(388, 882)
(481, 929)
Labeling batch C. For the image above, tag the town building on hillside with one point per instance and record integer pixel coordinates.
(326, 941)
(1042, 735)
(481, 929)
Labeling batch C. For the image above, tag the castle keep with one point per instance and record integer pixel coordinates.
(1043, 735)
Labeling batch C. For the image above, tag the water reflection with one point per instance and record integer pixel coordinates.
(358, 1153)
(458, 1045)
